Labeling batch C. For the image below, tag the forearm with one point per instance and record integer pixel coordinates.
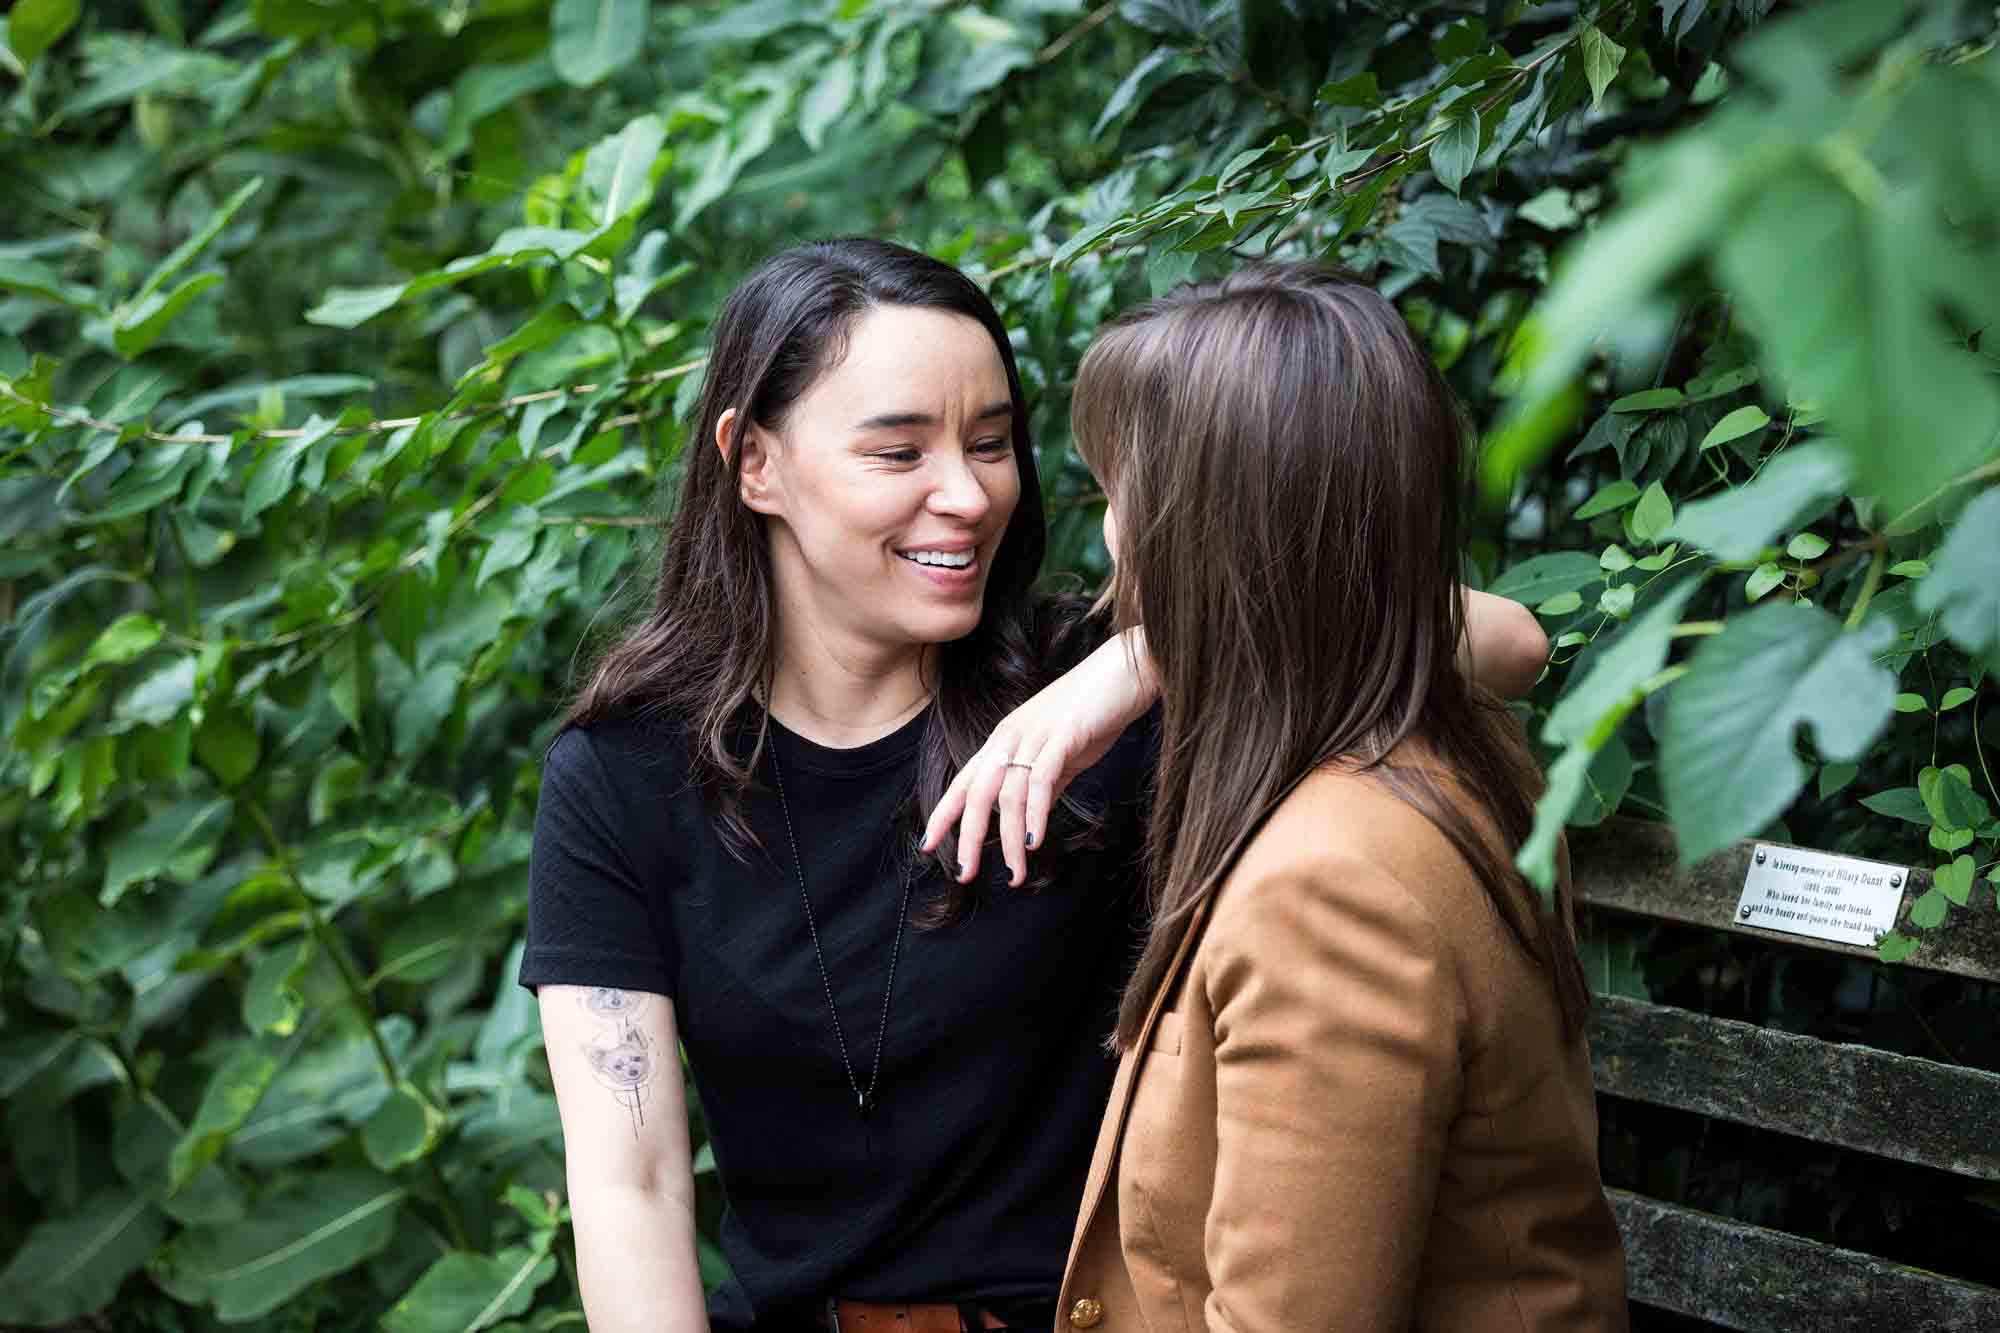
(635, 1256)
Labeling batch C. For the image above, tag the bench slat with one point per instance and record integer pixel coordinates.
(1747, 1277)
(1894, 1106)
(1630, 866)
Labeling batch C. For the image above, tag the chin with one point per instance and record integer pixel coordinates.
(945, 628)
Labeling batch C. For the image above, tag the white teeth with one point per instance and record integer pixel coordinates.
(942, 559)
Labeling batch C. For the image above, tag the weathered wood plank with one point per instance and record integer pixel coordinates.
(1746, 1277)
(1894, 1106)
(1630, 866)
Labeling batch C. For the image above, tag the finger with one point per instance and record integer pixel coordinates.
(1044, 781)
(947, 810)
(1014, 824)
(980, 794)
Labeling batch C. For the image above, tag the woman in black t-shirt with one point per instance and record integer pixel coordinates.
(901, 1073)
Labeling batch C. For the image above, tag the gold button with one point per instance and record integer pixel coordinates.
(1086, 1312)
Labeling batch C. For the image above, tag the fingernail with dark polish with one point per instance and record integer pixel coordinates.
(1031, 840)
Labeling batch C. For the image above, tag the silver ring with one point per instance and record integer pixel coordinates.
(1015, 763)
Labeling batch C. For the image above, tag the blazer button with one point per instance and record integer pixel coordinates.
(1086, 1312)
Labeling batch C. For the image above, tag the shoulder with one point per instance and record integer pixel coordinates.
(611, 757)
(1343, 853)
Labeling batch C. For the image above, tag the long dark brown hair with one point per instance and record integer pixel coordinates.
(709, 642)
(1288, 470)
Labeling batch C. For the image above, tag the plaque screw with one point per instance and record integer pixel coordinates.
(1760, 856)
(1881, 935)
(1896, 880)
(1745, 913)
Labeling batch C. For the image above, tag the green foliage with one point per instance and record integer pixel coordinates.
(345, 349)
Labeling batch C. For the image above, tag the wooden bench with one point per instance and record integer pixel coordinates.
(1936, 1115)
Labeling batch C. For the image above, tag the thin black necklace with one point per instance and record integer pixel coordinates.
(864, 1099)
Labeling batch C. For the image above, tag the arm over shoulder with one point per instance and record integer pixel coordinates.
(1338, 1016)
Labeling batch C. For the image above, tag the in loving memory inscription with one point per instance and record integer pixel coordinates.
(1828, 897)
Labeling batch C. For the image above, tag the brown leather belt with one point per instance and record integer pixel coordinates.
(865, 1317)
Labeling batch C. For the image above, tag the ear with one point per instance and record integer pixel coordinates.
(756, 479)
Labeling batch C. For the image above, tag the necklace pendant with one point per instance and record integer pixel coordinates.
(864, 1102)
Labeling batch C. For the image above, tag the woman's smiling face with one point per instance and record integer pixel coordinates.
(891, 481)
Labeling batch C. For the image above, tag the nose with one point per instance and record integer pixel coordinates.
(959, 492)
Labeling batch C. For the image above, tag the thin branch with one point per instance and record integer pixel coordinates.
(1070, 38)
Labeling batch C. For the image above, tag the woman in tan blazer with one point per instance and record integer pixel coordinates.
(1354, 1092)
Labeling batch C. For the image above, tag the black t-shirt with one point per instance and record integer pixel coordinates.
(963, 1183)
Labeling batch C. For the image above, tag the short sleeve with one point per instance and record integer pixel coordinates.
(591, 919)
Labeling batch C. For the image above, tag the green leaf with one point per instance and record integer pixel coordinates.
(1910, 569)
(1616, 601)
(1614, 495)
(618, 171)
(1541, 577)
(1806, 256)
(1586, 718)
(177, 844)
(232, 1093)
(1911, 703)
(403, 1129)
(1928, 912)
(1895, 947)
(33, 26)
(345, 307)
(1616, 559)
(272, 1001)
(511, 545)
(1955, 696)
(1649, 400)
(591, 38)
(1457, 145)
(1950, 840)
(1948, 795)
(1728, 760)
(461, 1292)
(139, 325)
(1601, 59)
(1807, 546)
(1743, 521)
(227, 745)
(1833, 778)
(1561, 604)
(124, 640)
(1899, 803)
(1961, 587)
(184, 254)
(1762, 579)
(1743, 421)
(423, 709)
(73, 1265)
(307, 1229)
(275, 470)
(43, 283)
(1654, 514)
(828, 97)
(1954, 881)
(1554, 209)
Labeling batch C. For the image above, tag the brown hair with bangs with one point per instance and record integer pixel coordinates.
(1288, 470)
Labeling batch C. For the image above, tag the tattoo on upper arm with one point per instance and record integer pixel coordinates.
(621, 1056)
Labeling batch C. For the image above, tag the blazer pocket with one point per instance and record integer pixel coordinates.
(1167, 1034)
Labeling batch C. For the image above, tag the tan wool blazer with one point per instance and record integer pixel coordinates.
(1352, 1109)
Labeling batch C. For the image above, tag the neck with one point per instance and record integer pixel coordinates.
(840, 692)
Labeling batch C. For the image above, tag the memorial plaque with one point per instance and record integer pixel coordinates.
(1819, 894)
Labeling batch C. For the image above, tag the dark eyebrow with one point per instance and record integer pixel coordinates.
(898, 420)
